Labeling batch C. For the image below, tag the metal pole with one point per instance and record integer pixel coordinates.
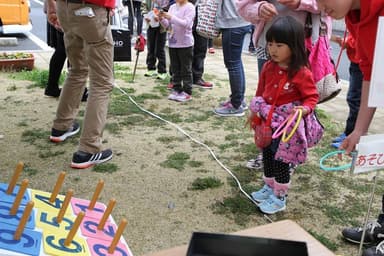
(368, 213)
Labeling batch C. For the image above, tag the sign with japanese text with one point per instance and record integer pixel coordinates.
(370, 155)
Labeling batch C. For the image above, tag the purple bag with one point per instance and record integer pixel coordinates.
(314, 130)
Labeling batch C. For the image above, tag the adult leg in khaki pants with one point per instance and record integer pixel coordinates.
(89, 47)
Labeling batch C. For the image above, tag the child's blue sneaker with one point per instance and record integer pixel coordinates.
(340, 138)
(336, 144)
(263, 194)
(273, 204)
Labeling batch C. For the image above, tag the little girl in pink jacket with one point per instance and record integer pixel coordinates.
(263, 13)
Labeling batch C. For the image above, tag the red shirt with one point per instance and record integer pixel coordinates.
(300, 88)
(350, 45)
(104, 3)
(362, 24)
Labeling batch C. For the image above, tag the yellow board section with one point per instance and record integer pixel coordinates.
(47, 220)
(41, 200)
(53, 244)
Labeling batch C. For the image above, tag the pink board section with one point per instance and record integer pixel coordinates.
(79, 205)
(100, 248)
(89, 229)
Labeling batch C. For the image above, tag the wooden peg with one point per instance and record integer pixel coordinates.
(117, 236)
(64, 207)
(57, 187)
(19, 197)
(74, 228)
(106, 214)
(23, 220)
(98, 189)
(15, 177)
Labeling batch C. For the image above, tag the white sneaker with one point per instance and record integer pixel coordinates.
(173, 95)
(183, 97)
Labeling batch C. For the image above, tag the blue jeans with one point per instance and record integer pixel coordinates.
(353, 96)
(232, 40)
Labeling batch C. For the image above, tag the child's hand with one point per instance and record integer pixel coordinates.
(251, 119)
(165, 15)
(339, 40)
(305, 110)
(267, 11)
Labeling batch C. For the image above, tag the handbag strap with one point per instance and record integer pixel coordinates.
(269, 117)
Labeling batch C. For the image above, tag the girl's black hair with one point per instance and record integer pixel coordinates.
(289, 31)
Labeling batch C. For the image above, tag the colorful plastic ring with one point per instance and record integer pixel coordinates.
(330, 169)
(298, 116)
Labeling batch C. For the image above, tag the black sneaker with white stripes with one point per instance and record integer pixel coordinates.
(82, 160)
(374, 233)
(60, 136)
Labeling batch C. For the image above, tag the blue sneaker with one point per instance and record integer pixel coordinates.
(336, 144)
(340, 138)
(263, 194)
(229, 110)
(273, 204)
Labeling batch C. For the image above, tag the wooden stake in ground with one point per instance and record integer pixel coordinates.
(64, 207)
(19, 197)
(117, 236)
(98, 189)
(106, 214)
(57, 187)
(23, 220)
(15, 177)
(74, 228)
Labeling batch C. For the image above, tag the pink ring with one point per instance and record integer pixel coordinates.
(285, 125)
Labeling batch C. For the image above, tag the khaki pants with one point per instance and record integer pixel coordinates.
(89, 46)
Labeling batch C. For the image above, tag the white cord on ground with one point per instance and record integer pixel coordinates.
(194, 140)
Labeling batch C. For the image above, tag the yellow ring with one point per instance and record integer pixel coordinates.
(286, 139)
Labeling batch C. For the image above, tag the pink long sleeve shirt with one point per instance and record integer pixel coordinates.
(180, 25)
(250, 9)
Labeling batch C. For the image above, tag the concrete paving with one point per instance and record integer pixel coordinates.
(214, 65)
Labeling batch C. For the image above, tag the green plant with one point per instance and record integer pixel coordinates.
(12, 88)
(324, 240)
(205, 183)
(29, 170)
(176, 161)
(113, 128)
(34, 135)
(195, 164)
(17, 55)
(105, 168)
(37, 76)
(50, 153)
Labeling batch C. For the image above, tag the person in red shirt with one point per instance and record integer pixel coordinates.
(354, 89)
(287, 82)
(361, 18)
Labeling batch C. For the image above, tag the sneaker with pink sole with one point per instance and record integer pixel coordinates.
(183, 97)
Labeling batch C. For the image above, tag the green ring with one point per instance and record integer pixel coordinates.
(330, 169)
